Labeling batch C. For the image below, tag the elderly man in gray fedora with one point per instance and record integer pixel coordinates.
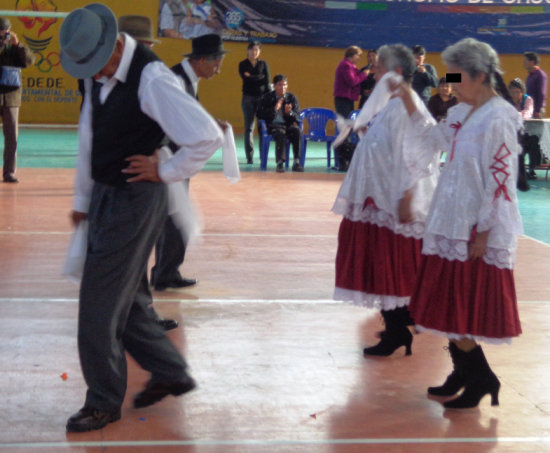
(131, 102)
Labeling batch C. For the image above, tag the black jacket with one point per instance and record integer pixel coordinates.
(266, 109)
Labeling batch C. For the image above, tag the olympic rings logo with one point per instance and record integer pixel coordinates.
(47, 63)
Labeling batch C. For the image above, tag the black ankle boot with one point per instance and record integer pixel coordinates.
(396, 334)
(456, 380)
(480, 381)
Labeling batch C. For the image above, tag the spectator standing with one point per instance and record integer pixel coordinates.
(347, 81)
(425, 75)
(367, 85)
(522, 101)
(281, 112)
(442, 101)
(256, 77)
(536, 83)
(13, 56)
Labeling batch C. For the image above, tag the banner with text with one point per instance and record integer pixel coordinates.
(510, 26)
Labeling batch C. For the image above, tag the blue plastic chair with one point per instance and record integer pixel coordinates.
(318, 119)
(266, 139)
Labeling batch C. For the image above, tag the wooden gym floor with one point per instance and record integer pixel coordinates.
(278, 363)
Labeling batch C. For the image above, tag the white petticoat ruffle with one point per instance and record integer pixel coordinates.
(361, 299)
(456, 336)
(457, 249)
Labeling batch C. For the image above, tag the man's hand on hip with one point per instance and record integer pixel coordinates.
(144, 167)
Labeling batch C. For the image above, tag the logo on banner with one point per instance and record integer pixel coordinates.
(38, 35)
(233, 18)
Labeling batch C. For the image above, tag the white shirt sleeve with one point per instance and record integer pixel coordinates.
(83, 183)
(182, 118)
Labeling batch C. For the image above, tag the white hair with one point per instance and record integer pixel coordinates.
(397, 56)
(474, 57)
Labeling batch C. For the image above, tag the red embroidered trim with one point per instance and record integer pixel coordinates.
(456, 126)
(500, 173)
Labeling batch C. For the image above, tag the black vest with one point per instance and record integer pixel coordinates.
(178, 70)
(120, 128)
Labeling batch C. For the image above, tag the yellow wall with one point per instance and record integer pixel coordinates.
(310, 70)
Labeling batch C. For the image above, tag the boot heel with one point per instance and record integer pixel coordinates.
(408, 348)
(494, 396)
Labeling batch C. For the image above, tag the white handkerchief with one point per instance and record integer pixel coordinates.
(180, 208)
(229, 157)
(344, 126)
(377, 100)
(76, 253)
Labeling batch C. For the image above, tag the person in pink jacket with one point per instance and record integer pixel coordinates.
(347, 81)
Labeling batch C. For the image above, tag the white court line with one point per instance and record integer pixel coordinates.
(218, 301)
(281, 442)
(247, 235)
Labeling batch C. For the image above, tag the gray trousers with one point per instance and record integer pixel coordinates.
(114, 312)
(10, 125)
(169, 253)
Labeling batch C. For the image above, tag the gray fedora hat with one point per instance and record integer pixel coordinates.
(138, 27)
(206, 46)
(87, 39)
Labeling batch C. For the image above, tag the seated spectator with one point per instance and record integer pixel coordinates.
(442, 101)
(367, 85)
(280, 110)
(521, 100)
(425, 75)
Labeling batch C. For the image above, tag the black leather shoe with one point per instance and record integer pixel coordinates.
(167, 324)
(179, 283)
(88, 419)
(280, 167)
(297, 167)
(155, 391)
(10, 179)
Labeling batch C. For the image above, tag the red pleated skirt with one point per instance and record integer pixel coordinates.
(375, 260)
(470, 298)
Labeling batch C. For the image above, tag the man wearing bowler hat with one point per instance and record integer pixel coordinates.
(131, 102)
(204, 62)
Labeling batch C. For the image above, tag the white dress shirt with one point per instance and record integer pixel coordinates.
(163, 99)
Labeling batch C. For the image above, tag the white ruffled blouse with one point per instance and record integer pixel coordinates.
(477, 187)
(380, 169)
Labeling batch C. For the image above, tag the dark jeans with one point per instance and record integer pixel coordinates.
(10, 125)
(280, 133)
(249, 105)
(343, 106)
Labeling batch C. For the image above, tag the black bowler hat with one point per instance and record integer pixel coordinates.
(209, 45)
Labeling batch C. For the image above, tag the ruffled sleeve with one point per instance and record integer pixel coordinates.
(424, 142)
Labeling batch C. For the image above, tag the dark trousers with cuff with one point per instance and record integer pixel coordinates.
(114, 311)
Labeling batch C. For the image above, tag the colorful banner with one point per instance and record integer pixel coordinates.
(511, 26)
(48, 93)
